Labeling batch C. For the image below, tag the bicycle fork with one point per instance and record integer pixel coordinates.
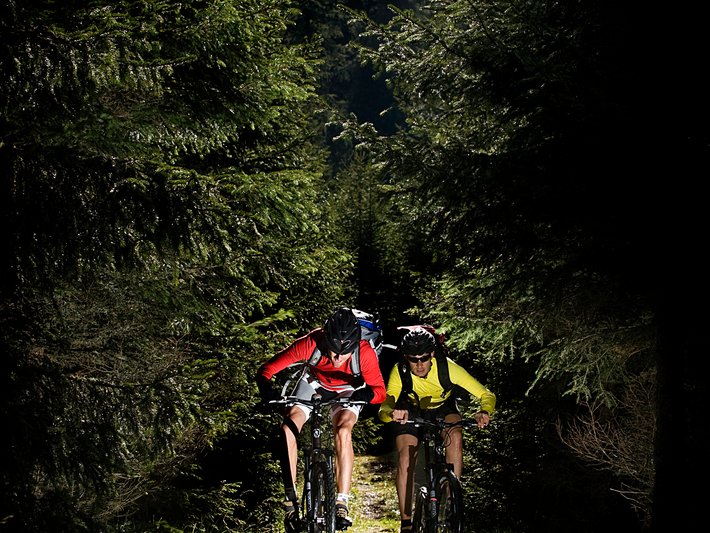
(432, 473)
(313, 454)
(307, 489)
(432, 496)
(308, 456)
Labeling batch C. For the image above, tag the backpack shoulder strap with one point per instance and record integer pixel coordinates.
(355, 367)
(442, 365)
(315, 357)
(405, 376)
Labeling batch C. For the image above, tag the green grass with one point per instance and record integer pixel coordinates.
(374, 506)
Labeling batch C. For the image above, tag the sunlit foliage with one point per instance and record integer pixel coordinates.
(164, 230)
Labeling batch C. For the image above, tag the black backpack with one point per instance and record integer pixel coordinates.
(371, 331)
(442, 365)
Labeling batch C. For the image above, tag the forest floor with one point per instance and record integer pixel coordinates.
(373, 506)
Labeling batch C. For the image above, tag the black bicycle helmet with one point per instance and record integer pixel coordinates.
(417, 341)
(342, 331)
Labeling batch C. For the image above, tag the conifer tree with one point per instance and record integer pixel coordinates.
(525, 162)
(164, 230)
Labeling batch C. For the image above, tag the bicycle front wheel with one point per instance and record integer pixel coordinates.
(449, 516)
(323, 498)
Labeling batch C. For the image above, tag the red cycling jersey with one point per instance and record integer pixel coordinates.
(327, 375)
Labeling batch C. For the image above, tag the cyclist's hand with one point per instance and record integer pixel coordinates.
(364, 394)
(483, 418)
(400, 416)
(267, 391)
(264, 407)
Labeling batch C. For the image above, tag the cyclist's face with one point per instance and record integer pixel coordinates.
(420, 365)
(339, 359)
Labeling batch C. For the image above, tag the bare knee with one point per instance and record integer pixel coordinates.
(343, 424)
(406, 451)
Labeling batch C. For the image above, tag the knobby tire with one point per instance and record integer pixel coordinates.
(323, 492)
(450, 515)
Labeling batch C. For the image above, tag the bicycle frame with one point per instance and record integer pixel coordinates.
(439, 503)
(319, 489)
(316, 454)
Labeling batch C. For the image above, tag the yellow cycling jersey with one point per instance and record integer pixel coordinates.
(431, 393)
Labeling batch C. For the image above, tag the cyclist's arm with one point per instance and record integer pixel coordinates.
(463, 379)
(371, 373)
(394, 388)
(298, 351)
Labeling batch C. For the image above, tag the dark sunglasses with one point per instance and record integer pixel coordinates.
(418, 358)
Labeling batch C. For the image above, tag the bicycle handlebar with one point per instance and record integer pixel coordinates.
(317, 401)
(440, 423)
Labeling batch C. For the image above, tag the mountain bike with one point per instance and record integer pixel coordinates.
(317, 511)
(438, 504)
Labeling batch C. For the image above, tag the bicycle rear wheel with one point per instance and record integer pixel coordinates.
(421, 511)
(449, 517)
(323, 494)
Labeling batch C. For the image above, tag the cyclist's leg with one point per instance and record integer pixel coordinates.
(294, 419)
(406, 444)
(344, 419)
(293, 422)
(453, 437)
(343, 423)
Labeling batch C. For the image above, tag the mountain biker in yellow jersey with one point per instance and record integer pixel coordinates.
(332, 375)
(428, 399)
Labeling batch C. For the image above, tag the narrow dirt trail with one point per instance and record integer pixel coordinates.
(374, 497)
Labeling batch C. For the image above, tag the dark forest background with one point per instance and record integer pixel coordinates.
(186, 186)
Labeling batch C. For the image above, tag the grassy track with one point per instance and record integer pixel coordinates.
(373, 505)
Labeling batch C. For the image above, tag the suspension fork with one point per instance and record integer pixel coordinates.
(307, 494)
(431, 476)
(309, 457)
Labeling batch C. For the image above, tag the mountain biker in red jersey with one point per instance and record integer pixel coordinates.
(330, 376)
